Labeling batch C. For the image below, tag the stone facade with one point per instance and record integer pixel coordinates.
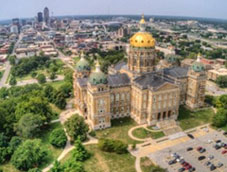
(137, 89)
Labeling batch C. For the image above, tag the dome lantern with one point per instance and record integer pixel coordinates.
(198, 66)
(82, 64)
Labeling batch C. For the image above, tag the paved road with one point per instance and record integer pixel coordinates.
(5, 75)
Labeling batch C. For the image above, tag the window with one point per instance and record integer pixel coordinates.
(154, 98)
(154, 106)
(122, 96)
(128, 96)
(165, 96)
(117, 97)
(160, 98)
(144, 105)
(144, 97)
(164, 104)
(159, 105)
(112, 98)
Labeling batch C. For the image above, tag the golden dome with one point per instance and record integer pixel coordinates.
(142, 21)
(142, 40)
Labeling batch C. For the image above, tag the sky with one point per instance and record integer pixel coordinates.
(194, 8)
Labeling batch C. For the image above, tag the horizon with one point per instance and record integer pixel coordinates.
(177, 8)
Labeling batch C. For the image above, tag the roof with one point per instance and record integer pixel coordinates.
(119, 65)
(118, 80)
(82, 81)
(176, 72)
(149, 80)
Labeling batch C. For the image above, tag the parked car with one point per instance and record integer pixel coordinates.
(219, 165)
(191, 169)
(218, 141)
(202, 150)
(212, 167)
(210, 141)
(225, 133)
(172, 162)
(189, 149)
(224, 152)
(199, 148)
(181, 169)
(211, 157)
(208, 163)
(182, 161)
(201, 158)
(191, 136)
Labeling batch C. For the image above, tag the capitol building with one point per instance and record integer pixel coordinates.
(147, 92)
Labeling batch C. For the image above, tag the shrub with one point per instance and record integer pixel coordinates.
(41, 78)
(34, 170)
(76, 128)
(58, 138)
(109, 145)
(220, 119)
(79, 152)
(28, 155)
(92, 133)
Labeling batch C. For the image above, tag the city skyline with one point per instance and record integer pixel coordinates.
(193, 8)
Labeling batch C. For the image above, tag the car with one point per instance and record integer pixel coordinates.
(225, 133)
(199, 148)
(185, 164)
(191, 136)
(210, 141)
(182, 161)
(187, 167)
(216, 147)
(218, 141)
(172, 162)
(224, 152)
(181, 169)
(208, 163)
(211, 157)
(189, 149)
(223, 144)
(202, 150)
(219, 165)
(201, 158)
(191, 169)
(212, 167)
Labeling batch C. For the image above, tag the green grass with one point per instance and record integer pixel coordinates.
(56, 84)
(148, 166)
(143, 133)
(106, 162)
(1, 73)
(53, 152)
(188, 119)
(118, 130)
(55, 109)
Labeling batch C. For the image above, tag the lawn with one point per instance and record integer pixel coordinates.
(106, 162)
(143, 133)
(53, 152)
(118, 130)
(1, 73)
(188, 119)
(224, 128)
(56, 84)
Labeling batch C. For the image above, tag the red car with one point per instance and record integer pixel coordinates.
(224, 152)
(187, 167)
(199, 148)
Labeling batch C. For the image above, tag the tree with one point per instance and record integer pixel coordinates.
(15, 142)
(5, 154)
(222, 81)
(79, 153)
(28, 155)
(220, 119)
(29, 125)
(34, 74)
(36, 105)
(66, 89)
(41, 78)
(59, 100)
(110, 145)
(57, 167)
(13, 81)
(73, 166)
(53, 76)
(222, 102)
(76, 128)
(12, 60)
(58, 138)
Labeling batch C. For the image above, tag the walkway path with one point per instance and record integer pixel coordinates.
(5, 75)
(69, 147)
(135, 138)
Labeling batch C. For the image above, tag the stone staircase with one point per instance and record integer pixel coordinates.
(169, 127)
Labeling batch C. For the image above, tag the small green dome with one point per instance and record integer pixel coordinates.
(171, 58)
(82, 64)
(97, 77)
(198, 67)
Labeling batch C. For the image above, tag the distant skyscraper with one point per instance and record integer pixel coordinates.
(16, 22)
(46, 14)
(40, 16)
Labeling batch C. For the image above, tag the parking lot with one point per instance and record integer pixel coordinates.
(207, 142)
